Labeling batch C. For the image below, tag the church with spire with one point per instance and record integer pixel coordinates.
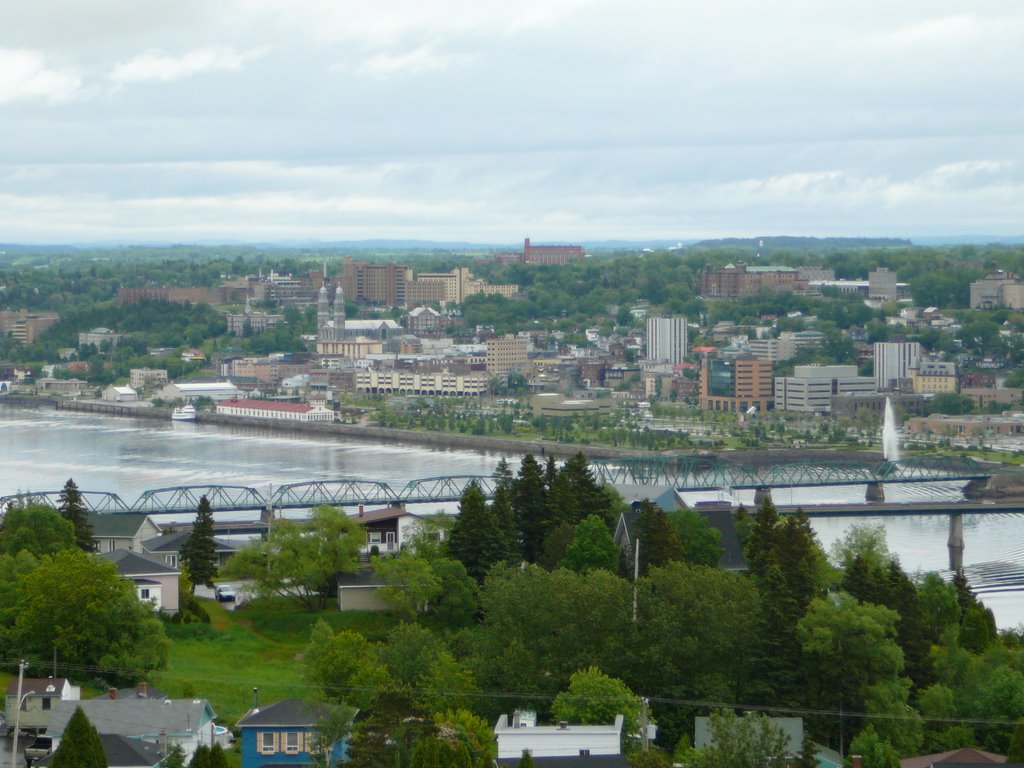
(335, 337)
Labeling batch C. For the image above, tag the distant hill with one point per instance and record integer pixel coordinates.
(805, 243)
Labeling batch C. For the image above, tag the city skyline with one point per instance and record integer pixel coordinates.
(564, 120)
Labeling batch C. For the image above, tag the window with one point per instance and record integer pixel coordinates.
(144, 593)
(374, 537)
(267, 743)
(47, 702)
(291, 743)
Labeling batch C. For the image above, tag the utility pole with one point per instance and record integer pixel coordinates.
(644, 741)
(636, 575)
(17, 716)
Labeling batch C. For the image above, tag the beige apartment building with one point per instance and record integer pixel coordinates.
(506, 354)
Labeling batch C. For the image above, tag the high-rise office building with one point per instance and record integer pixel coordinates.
(666, 339)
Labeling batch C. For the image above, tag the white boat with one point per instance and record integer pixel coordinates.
(185, 413)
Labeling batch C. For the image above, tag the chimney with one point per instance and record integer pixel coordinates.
(143, 690)
(111, 693)
(856, 761)
(360, 510)
(255, 699)
(563, 725)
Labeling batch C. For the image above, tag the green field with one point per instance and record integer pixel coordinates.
(259, 645)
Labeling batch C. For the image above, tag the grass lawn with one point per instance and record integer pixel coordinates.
(259, 645)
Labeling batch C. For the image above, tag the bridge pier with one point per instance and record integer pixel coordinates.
(760, 494)
(977, 488)
(875, 493)
(955, 544)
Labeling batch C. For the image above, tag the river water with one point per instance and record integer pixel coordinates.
(41, 449)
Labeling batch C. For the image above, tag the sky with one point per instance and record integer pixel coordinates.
(489, 121)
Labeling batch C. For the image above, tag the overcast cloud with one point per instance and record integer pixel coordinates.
(489, 121)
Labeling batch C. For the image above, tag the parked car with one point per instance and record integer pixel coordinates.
(39, 748)
(225, 594)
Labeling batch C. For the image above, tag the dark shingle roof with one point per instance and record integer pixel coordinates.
(173, 542)
(38, 685)
(134, 564)
(121, 751)
(287, 712)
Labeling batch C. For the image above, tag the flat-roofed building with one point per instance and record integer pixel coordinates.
(142, 378)
(735, 280)
(935, 377)
(736, 384)
(192, 390)
(442, 384)
(894, 361)
(666, 339)
(506, 354)
(274, 410)
(24, 326)
(811, 387)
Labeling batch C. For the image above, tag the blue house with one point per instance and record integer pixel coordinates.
(283, 734)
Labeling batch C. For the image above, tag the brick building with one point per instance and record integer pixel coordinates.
(736, 384)
(735, 280)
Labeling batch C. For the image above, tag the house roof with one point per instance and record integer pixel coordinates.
(134, 564)
(721, 520)
(37, 685)
(965, 756)
(791, 727)
(364, 577)
(138, 692)
(380, 515)
(571, 761)
(122, 524)
(135, 717)
(172, 542)
(122, 752)
(287, 712)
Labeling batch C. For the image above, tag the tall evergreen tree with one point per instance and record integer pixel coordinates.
(659, 544)
(476, 539)
(217, 757)
(72, 509)
(200, 758)
(526, 761)
(529, 503)
(504, 513)
(199, 552)
(593, 499)
(763, 544)
(81, 746)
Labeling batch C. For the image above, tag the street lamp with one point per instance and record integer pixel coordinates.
(17, 713)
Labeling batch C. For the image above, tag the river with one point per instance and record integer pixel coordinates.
(41, 448)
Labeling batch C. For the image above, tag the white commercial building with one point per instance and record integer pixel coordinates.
(272, 409)
(811, 387)
(893, 361)
(187, 390)
(666, 339)
(562, 740)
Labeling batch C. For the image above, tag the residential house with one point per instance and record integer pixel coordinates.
(387, 529)
(122, 752)
(956, 758)
(560, 745)
(167, 547)
(39, 697)
(111, 532)
(155, 582)
(790, 727)
(718, 516)
(188, 723)
(283, 734)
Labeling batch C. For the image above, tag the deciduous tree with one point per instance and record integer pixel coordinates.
(593, 698)
(301, 558)
(592, 547)
(37, 529)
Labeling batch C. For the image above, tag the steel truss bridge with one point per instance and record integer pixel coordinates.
(684, 473)
(344, 492)
(703, 473)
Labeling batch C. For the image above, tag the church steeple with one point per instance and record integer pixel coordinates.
(338, 311)
(323, 308)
